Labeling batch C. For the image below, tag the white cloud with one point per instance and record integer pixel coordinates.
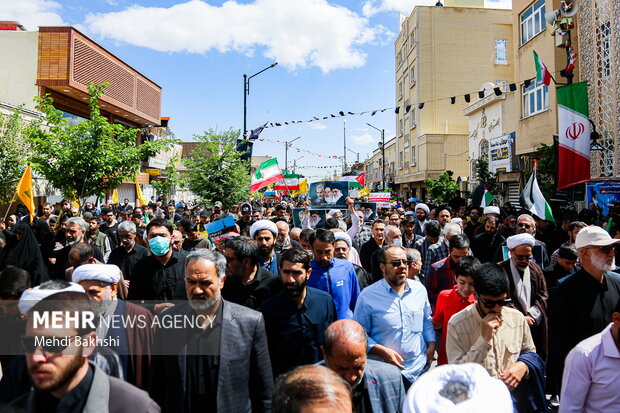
(317, 125)
(362, 140)
(32, 13)
(372, 7)
(297, 34)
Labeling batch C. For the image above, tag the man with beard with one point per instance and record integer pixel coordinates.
(432, 233)
(397, 317)
(573, 229)
(131, 344)
(443, 274)
(247, 283)
(62, 378)
(376, 386)
(528, 289)
(392, 236)
(264, 232)
(472, 223)
(127, 255)
(376, 242)
(97, 238)
(408, 232)
(485, 244)
(110, 227)
(283, 240)
(75, 232)
(444, 214)
(220, 365)
(332, 275)
(296, 318)
(526, 225)
(441, 249)
(582, 304)
(342, 250)
(421, 212)
(566, 260)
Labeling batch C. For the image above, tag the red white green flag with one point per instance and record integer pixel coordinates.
(542, 73)
(487, 198)
(267, 173)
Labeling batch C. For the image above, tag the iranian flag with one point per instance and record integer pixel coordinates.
(267, 173)
(533, 200)
(290, 182)
(487, 198)
(355, 181)
(574, 135)
(542, 73)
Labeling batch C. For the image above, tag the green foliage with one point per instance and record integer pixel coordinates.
(13, 156)
(484, 175)
(90, 158)
(217, 172)
(442, 189)
(545, 172)
(173, 179)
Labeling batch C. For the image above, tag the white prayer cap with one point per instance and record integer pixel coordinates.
(107, 273)
(333, 212)
(456, 220)
(423, 207)
(594, 236)
(520, 239)
(32, 296)
(343, 236)
(262, 225)
(491, 210)
(410, 213)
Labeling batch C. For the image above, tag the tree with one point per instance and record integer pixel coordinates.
(13, 157)
(485, 176)
(173, 179)
(217, 171)
(545, 172)
(442, 188)
(90, 158)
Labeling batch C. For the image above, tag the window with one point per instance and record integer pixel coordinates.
(412, 75)
(413, 156)
(535, 98)
(532, 21)
(401, 128)
(483, 149)
(501, 51)
(604, 46)
(412, 38)
(400, 89)
(400, 160)
(412, 119)
(406, 80)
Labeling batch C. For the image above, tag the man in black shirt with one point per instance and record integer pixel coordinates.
(127, 255)
(296, 318)
(110, 227)
(372, 245)
(247, 283)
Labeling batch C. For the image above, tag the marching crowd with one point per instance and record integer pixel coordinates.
(424, 308)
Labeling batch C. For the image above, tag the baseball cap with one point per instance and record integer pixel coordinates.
(593, 236)
(218, 204)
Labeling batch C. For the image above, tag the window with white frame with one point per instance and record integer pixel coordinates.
(400, 89)
(532, 21)
(535, 98)
(412, 38)
(400, 160)
(413, 155)
(501, 51)
(412, 119)
(412, 75)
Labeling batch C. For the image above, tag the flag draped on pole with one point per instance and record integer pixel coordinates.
(25, 193)
(487, 198)
(533, 200)
(481, 197)
(267, 173)
(542, 73)
(290, 182)
(574, 134)
(115, 196)
(139, 196)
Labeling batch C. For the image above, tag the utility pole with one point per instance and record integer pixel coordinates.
(246, 92)
(344, 159)
(382, 145)
(286, 145)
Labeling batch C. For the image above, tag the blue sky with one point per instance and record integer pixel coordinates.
(333, 55)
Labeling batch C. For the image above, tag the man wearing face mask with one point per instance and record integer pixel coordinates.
(392, 237)
(160, 275)
(296, 318)
(127, 255)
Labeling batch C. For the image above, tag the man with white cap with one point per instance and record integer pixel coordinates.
(101, 282)
(527, 288)
(526, 225)
(582, 303)
(421, 212)
(264, 232)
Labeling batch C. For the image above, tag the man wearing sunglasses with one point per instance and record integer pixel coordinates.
(582, 303)
(397, 317)
(58, 366)
(488, 332)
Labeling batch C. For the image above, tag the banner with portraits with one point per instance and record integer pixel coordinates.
(329, 194)
(369, 209)
(317, 217)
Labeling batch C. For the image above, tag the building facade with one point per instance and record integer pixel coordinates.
(444, 52)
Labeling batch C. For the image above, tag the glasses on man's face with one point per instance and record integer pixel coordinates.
(398, 263)
(492, 303)
(524, 225)
(606, 249)
(49, 345)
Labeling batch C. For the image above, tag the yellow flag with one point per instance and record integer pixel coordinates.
(25, 193)
(139, 196)
(303, 187)
(363, 192)
(115, 196)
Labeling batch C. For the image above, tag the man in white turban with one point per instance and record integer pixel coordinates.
(421, 212)
(264, 232)
(528, 289)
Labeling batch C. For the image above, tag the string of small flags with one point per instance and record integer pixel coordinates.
(299, 150)
(497, 90)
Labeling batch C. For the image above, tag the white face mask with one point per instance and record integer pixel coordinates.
(397, 242)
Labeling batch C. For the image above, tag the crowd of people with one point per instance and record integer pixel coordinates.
(425, 308)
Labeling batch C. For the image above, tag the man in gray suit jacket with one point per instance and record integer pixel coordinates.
(376, 386)
(221, 365)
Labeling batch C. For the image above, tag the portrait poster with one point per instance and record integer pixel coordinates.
(369, 209)
(329, 194)
(317, 218)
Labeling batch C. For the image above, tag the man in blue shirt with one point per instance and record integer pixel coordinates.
(396, 314)
(332, 275)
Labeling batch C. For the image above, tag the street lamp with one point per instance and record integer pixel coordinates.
(382, 146)
(286, 145)
(246, 92)
(344, 159)
(295, 163)
(357, 153)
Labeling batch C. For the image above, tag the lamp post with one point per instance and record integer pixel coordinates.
(357, 153)
(246, 92)
(344, 135)
(295, 163)
(382, 146)
(286, 145)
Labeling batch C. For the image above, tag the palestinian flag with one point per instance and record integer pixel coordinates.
(355, 181)
(267, 173)
(542, 73)
(290, 182)
(533, 200)
(487, 198)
